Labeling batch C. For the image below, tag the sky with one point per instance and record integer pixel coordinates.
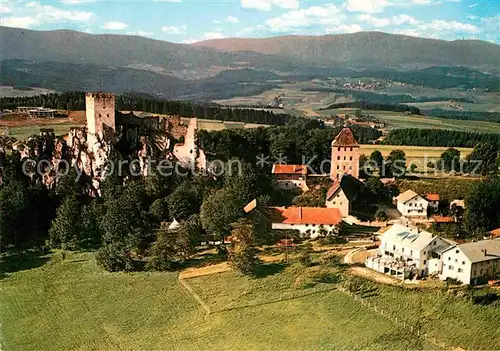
(188, 21)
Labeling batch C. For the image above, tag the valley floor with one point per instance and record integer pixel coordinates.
(50, 303)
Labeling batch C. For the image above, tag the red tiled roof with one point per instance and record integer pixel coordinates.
(345, 138)
(289, 169)
(495, 233)
(307, 215)
(335, 186)
(432, 197)
(443, 219)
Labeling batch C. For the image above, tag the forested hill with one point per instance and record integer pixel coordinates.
(368, 49)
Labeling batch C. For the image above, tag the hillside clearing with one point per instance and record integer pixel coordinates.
(50, 303)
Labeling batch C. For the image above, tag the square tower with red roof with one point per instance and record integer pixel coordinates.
(345, 155)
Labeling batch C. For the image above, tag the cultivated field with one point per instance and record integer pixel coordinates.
(50, 303)
(396, 120)
(418, 155)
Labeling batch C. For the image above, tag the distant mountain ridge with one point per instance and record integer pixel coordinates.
(368, 49)
(285, 54)
(68, 60)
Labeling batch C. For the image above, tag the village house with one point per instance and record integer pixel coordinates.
(411, 205)
(341, 194)
(309, 221)
(406, 252)
(345, 155)
(290, 176)
(433, 200)
(471, 263)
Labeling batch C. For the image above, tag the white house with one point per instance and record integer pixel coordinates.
(405, 251)
(411, 205)
(472, 263)
(307, 220)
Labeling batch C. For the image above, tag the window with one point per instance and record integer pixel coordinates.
(450, 268)
(456, 260)
(460, 270)
(338, 157)
(350, 158)
(411, 252)
(434, 243)
(338, 149)
(474, 273)
(402, 249)
(449, 258)
(425, 261)
(351, 149)
(456, 251)
(394, 247)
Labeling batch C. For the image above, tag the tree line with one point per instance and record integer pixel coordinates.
(301, 141)
(438, 137)
(368, 105)
(147, 103)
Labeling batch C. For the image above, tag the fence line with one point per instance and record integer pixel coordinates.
(401, 323)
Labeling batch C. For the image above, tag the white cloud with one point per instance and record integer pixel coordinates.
(35, 14)
(5, 9)
(167, 0)
(231, 19)
(19, 22)
(212, 35)
(449, 26)
(344, 28)
(174, 29)
(403, 19)
(266, 5)
(115, 25)
(366, 6)
(408, 31)
(385, 22)
(206, 36)
(374, 21)
(217, 22)
(75, 2)
(141, 33)
(313, 15)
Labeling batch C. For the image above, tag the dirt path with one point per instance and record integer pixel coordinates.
(198, 272)
(372, 275)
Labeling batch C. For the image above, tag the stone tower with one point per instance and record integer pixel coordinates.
(100, 113)
(345, 155)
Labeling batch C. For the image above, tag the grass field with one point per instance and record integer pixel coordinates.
(50, 303)
(22, 133)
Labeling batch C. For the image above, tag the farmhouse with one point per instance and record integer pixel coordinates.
(290, 176)
(471, 263)
(307, 220)
(345, 155)
(405, 252)
(37, 112)
(411, 205)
